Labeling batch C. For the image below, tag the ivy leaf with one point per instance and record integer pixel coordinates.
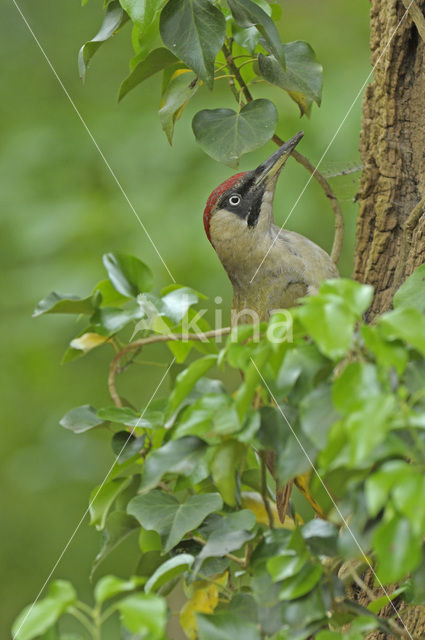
(303, 77)
(58, 303)
(229, 534)
(163, 513)
(144, 613)
(226, 135)
(38, 618)
(177, 456)
(194, 31)
(81, 419)
(181, 88)
(248, 14)
(155, 61)
(114, 19)
(129, 275)
(225, 626)
(168, 571)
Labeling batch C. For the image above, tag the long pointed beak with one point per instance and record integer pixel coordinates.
(269, 170)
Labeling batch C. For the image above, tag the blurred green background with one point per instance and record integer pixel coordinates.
(61, 210)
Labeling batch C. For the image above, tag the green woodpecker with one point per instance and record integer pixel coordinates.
(269, 267)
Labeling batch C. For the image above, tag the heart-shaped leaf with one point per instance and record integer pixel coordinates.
(226, 135)
(161, 512)
(194, 31)
(303, 77)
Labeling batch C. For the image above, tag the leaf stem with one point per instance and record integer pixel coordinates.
(81, 617)
(107, 613)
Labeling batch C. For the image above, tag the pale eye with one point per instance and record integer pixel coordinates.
(234, 200)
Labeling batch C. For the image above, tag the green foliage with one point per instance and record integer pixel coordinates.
(199, 42)
(186, 468)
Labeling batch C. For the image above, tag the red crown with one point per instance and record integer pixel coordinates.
(214, 196)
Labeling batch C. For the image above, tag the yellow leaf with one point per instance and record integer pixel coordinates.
(204, 599)
(88, 341)
(253, 501)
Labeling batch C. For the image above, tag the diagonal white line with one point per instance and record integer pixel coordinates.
(333, 138)
(92, 138)
(92, 500)
(319, 477)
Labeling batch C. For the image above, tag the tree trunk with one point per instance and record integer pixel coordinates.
(389, 244)
(390, 238)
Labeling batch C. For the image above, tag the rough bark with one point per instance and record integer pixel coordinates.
(389, 246)
(390, 239)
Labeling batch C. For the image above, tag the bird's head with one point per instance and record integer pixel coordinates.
(247, 195)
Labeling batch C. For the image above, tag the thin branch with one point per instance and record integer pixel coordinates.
(76, 613)
(333, 200)
(137, 345)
